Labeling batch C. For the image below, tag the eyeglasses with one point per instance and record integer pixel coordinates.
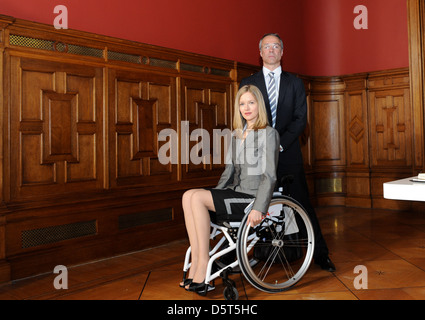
(271, 45)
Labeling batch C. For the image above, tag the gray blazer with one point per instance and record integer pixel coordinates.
(251, 166)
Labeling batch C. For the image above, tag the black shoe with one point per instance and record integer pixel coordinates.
(325, 263)
(199, 288)
(186, 282)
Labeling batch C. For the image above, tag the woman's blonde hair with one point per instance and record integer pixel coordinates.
(239, 121)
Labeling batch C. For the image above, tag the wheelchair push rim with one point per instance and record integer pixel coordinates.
(285, 240)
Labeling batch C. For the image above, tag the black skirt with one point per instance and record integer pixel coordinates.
(229, 205)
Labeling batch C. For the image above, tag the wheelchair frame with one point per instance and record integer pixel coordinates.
(231, 232)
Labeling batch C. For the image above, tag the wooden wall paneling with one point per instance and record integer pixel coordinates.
(55, 129)
(327, 105)
(141, 105)
(305, 138)
(329, 150)
(39, 239)
(306, 142)
(3, 102)
(5, 268)
(82, 114)
(391, 121)
(206, 106)
(357, 171)
(391, 132)
(245, 70)
(5, 272)
(416, 24)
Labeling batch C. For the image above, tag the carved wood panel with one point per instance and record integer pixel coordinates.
(207, 106)
(357, 137)
(328, 129)
(356, 122)
(55, 128)
(140, 106)
(391, 128)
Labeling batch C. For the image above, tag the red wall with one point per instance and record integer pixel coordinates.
(334, 47)
(319, 35)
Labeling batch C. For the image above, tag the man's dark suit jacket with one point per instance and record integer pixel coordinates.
(291, 120)
(291, 115)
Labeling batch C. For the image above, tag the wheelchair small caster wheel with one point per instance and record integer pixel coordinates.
(231, 293)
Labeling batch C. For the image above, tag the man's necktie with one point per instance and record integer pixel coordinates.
(272, 97)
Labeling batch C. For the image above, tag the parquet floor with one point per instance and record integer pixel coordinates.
(390, 244)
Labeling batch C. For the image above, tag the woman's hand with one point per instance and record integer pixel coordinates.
(254, 218)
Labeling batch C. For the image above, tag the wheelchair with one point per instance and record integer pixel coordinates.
(273, 256)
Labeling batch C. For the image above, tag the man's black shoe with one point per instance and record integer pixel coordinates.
(325, 263)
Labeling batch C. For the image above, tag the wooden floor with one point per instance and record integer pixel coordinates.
(390, 244)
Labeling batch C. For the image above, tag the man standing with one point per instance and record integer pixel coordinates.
(286, 104)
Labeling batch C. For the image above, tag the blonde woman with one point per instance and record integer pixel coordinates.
(250, 173)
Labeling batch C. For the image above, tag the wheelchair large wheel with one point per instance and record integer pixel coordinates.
(276, 254)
